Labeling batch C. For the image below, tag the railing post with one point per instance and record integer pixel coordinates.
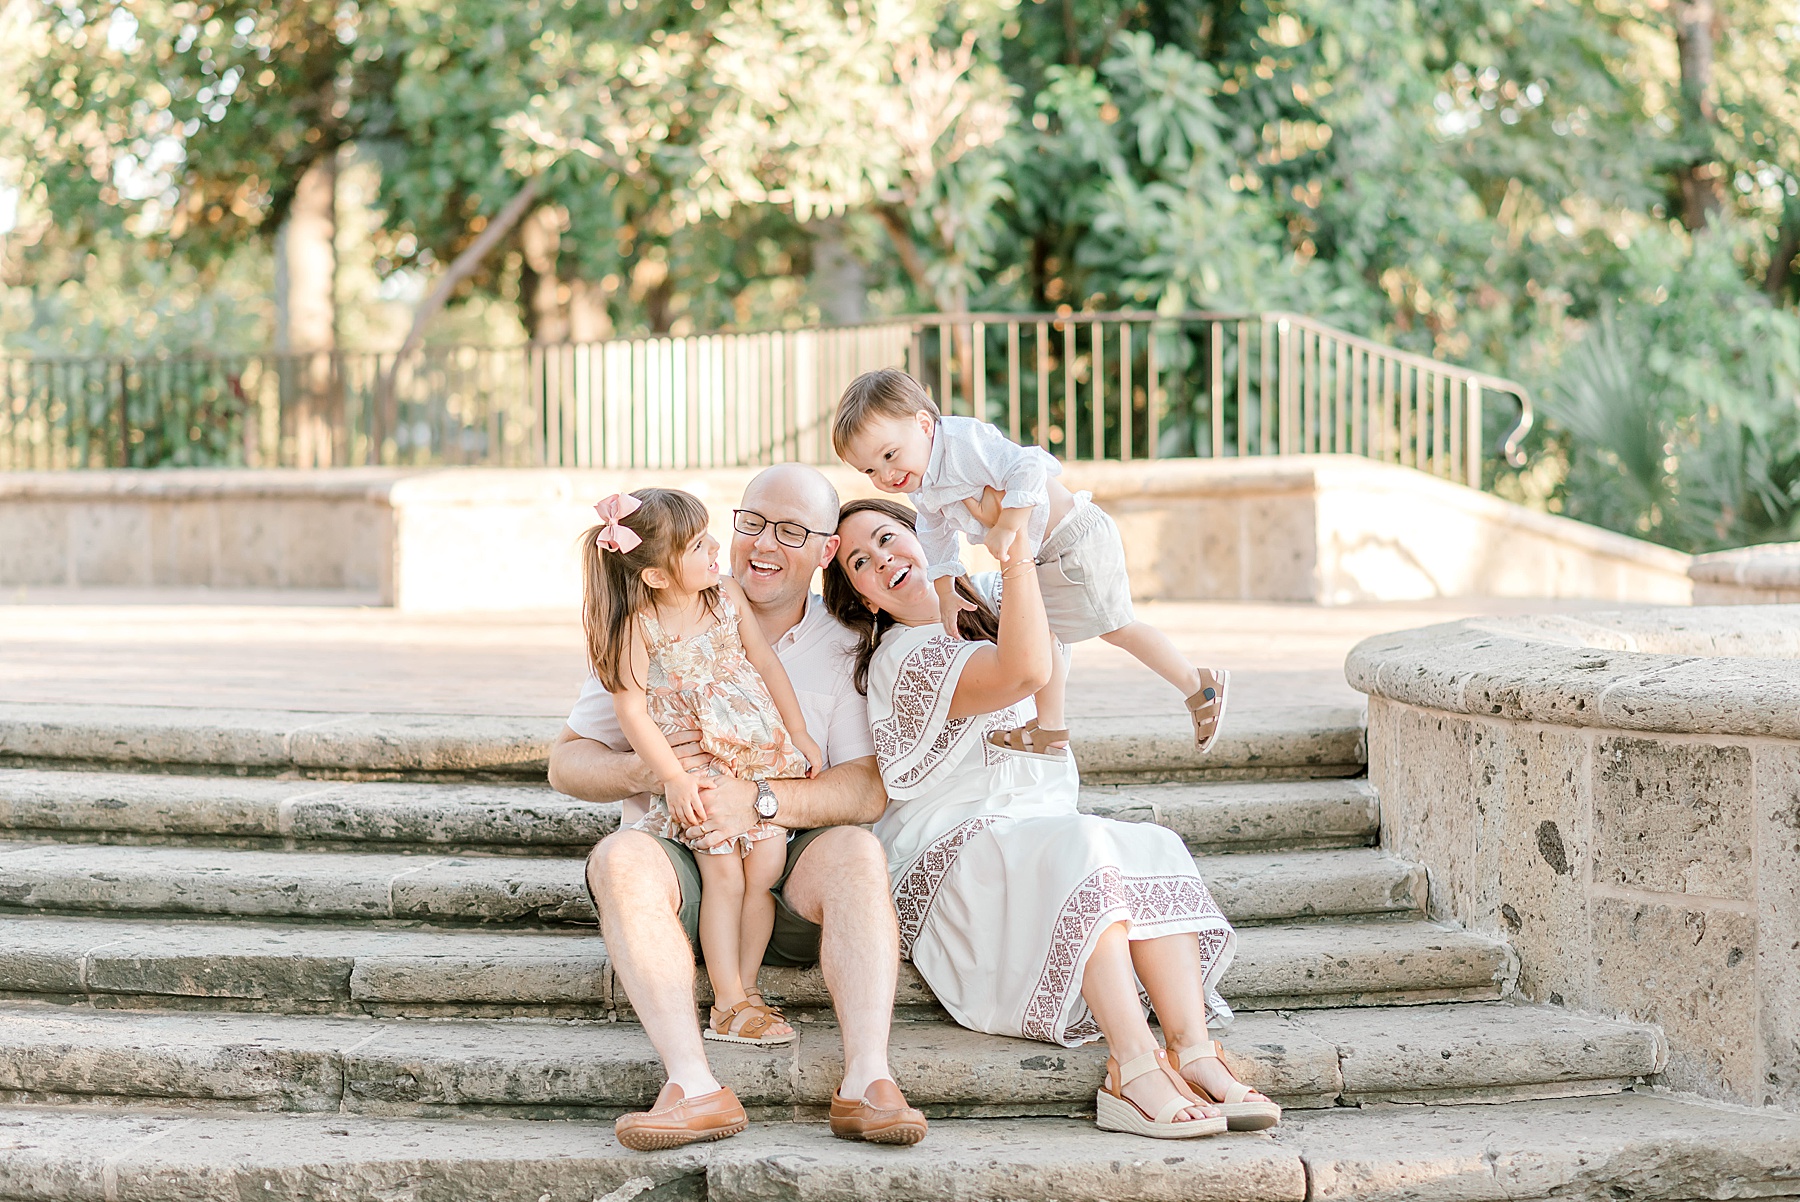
(1098, 338)
(1152, 394)
(1125, 391)
(1012, 380)
(1472, 436)
(124, 419)
(1043, 384)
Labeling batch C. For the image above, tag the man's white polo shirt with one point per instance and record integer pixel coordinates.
(819, 654)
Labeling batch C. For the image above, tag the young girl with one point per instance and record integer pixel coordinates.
(666, 637)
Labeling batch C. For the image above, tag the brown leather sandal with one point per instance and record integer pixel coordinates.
(747, 1022)
(1031, 739)
(1113, 1111)
(1241, 1112)
(1207, 707)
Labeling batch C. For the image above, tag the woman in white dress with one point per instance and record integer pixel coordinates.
(1026, 917)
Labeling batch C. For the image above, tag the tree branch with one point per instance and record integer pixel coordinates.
(900, 233)
(460, 269)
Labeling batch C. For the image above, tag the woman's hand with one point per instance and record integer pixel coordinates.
(683, 797)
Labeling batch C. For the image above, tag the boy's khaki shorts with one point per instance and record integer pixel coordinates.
(1081, 569)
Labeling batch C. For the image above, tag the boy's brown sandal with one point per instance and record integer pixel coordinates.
(1207, 707)
(747, 1022)
(677, 1120)
(881, 1117)
(1031, 739)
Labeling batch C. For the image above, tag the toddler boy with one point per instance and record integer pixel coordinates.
(964, 475)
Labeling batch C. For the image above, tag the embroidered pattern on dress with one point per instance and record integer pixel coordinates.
(1148, 901)
(915, 694)
(917, 887)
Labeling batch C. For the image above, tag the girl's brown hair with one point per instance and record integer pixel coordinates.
(613, 591)
(982, 624)
(889, 392)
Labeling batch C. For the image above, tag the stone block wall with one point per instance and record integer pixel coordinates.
(1638, 870)
(225, 530)
(1325, 529)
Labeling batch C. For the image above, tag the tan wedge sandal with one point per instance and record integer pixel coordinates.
(1113, 1111)
(1207, 707)
(747, 1022)
(1241, 1113)
(1031, 739)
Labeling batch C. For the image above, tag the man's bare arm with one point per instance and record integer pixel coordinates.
(846, 794)
(589, 770)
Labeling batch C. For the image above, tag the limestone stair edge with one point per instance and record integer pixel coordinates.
(1653, 1147)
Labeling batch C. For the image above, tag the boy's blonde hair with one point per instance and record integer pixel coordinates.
(889, 392)
(613, 591)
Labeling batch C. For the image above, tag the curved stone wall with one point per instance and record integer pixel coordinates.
(1765, 575)
(1618, 795)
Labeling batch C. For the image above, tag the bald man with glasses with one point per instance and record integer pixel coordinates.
(832, 904)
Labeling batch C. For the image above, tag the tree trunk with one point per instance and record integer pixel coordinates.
(306, 320)
(1701, 177)
(546, 312)
(839, 283)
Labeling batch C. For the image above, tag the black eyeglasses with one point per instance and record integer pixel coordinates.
(789, 534)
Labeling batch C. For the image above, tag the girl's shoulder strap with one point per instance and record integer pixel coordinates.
(655, 637)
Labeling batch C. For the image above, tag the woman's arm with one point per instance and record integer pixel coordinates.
(1019, 664)
(768, 665)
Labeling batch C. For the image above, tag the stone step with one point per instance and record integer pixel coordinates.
(533, 819)
(1646, 1147)
(386, 969)
(263, 812)
(1292, 742)
(555, 1070)
(1249, 815)
(73, 1154)
(107, 878)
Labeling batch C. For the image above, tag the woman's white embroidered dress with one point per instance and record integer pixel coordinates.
(1000, 885)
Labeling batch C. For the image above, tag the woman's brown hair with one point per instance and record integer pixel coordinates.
(613, 591)
(981, 624)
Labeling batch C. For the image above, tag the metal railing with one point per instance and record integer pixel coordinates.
(1119, 386)
(1134, 385)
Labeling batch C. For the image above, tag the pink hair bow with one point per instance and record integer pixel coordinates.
(613, 511)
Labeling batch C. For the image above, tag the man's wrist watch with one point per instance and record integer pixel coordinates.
(766, 801)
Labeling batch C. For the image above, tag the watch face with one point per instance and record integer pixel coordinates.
(765, 800)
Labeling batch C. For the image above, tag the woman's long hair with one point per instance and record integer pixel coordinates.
(982, 624)
(613, 591)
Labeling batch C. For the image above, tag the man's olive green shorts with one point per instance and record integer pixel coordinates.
(795, 941)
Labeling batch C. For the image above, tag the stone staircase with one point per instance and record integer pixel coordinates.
(224, 983)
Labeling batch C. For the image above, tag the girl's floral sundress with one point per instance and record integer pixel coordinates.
(705, 682)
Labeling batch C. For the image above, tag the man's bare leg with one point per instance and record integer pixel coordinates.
(640, 908)
(841, 883)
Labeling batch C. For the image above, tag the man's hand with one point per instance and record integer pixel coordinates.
(730, 810)
(686, 746)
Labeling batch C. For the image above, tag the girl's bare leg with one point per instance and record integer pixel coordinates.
(1109, 987)
(762, 868)
(1174, 977)
(1152, 648)
(721, 921)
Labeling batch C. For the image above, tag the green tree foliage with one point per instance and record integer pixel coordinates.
(1601, 197)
